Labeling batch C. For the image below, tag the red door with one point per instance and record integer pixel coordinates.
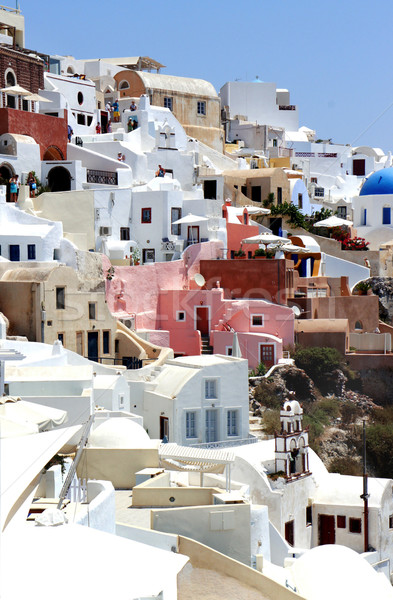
(326, 530)
(202, 320)
(267, 355)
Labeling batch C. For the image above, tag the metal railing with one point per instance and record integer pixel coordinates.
(102, 177)
(226, 443)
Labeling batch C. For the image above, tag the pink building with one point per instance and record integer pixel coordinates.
(166, 306)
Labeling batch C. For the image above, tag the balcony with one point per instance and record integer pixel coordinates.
(102, 177)
(286, 107)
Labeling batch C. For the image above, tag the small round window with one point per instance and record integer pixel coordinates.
(80, 97)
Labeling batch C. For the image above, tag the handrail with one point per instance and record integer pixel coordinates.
(73, 467)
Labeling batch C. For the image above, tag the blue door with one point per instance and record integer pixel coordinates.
(386, 219)
(14, 251)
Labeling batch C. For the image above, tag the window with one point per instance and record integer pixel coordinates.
(314, 179)
(60, 337)
(190, 424)
(81, 119)
(341, 521)
(364, 217)
(243, 190)
(359, 325)
(92, 310)
(245, 218)
(308, 516)
(146, 215)
(229, 350)
(60, 298)
(180, 315)
(10, 79)
(359, 166)
(80, 98)
(257, 320)
(274, 142)
(319, 192)
(124, 233)
(105, 342)
(210, 388)
(124, 85)
(355, 525)
(168, 102)
(300, 200)
(175, 215)
(279, 196)
(386, 215)
(232, 422)
(342, 212)
(390, 521)
(201, 107)
(31, 251)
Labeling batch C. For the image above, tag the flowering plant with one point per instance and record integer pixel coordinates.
(355, 243)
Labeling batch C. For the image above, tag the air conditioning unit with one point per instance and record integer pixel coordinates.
(129, 322)
(105, 230)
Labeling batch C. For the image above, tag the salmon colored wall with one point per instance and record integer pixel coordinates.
(47, 131)
(249, 345)
(252, 278)
(278, 321)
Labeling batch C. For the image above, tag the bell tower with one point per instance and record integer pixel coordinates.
(291, 444)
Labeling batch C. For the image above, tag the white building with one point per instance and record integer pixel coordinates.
(196, 399)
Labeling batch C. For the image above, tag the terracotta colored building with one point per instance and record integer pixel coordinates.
(194, 102)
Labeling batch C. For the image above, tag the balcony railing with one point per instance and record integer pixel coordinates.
(102, 177)
(286, 107)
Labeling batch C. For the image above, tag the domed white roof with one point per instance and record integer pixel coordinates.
(119, 432)
(353, 576)
(293, 407)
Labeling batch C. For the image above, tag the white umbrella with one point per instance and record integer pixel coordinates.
(189, 219)
(45, 417)
(264, 238)
(16, 90)
(294, 249)
(37, 98)
(236, 350)
(333, 221)
(11, 428)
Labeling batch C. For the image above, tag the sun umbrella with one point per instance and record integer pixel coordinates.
(264, 238)
(189, 219)
(333, 221)
(294, 249)
(45, 417)
(37, 98)
(16, 90)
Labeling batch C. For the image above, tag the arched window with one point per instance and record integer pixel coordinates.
(358, 325)
(10, 78)
(124, 85)
(70, 70)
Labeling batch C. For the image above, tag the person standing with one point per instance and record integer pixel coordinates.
(32, 183)
(116, 111)
(14, 188)
(70, 133)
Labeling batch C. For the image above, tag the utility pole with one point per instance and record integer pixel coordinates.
(365, 496)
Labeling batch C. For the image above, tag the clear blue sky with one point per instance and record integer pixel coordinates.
(335, 57)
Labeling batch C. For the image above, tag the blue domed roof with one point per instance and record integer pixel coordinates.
(380, 182)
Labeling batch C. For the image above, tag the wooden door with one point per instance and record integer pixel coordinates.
(202, 319)
(193, 234)
(290, 532)
(267, 355)
(326, 530)
(92, 345)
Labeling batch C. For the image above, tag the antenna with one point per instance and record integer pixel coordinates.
(199, 280)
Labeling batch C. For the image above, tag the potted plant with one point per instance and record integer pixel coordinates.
(260, 253)
(362, 288)
(136, 256)
(240, 253)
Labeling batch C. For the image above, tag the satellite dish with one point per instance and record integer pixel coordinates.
(199, 280)
(296, 311)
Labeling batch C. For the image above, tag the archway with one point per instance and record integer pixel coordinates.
(59, 179)
(53, 153)
(6, 172)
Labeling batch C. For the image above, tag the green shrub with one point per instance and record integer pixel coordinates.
(318, 362)
(346, 466)
(267, 394)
